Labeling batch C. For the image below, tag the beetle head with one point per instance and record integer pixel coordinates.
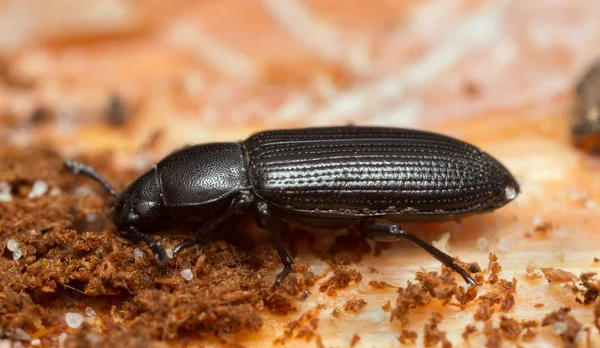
(140, 205)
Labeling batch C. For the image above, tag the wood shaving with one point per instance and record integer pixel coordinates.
(555, 275)
(303, 328)
(572, 326)
(377, 284)
(493, 335)
(433, 335)
(469, 330)
(387, 306)
(341, 278)
(354, 305)
(408, 337)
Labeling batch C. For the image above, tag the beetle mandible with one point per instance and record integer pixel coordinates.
(372, 178)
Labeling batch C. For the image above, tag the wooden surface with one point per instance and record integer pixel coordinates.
(498, 74)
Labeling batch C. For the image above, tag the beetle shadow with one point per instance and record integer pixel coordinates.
(346, 246)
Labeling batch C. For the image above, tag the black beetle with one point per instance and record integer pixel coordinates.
(368, 177)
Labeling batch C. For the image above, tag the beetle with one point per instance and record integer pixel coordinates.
(370, 178)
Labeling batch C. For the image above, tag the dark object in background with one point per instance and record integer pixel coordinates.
(586, 127)
(41, 115)
(115, 111)
(325, 177)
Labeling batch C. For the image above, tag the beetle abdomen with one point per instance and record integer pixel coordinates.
(375, 171)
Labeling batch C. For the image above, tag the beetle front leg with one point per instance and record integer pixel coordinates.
(157, 248)
(393, 232)
(266, 220)
(235, 211)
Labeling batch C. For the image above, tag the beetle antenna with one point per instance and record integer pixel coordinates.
(85, 170)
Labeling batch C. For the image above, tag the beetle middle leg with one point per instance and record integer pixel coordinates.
(233, 214)
(393, 232)
(266, 220)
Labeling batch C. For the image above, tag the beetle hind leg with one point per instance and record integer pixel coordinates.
(392, 232)
(266, 220)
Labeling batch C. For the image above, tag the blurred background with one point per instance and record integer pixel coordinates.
(120, 74)
(140, 78)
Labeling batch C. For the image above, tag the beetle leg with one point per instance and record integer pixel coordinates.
(266, 220)
(237, 208)
(393, 232)
(157, 248)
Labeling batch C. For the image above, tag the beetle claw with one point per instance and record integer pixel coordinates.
(464, 275)
(287, 269)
